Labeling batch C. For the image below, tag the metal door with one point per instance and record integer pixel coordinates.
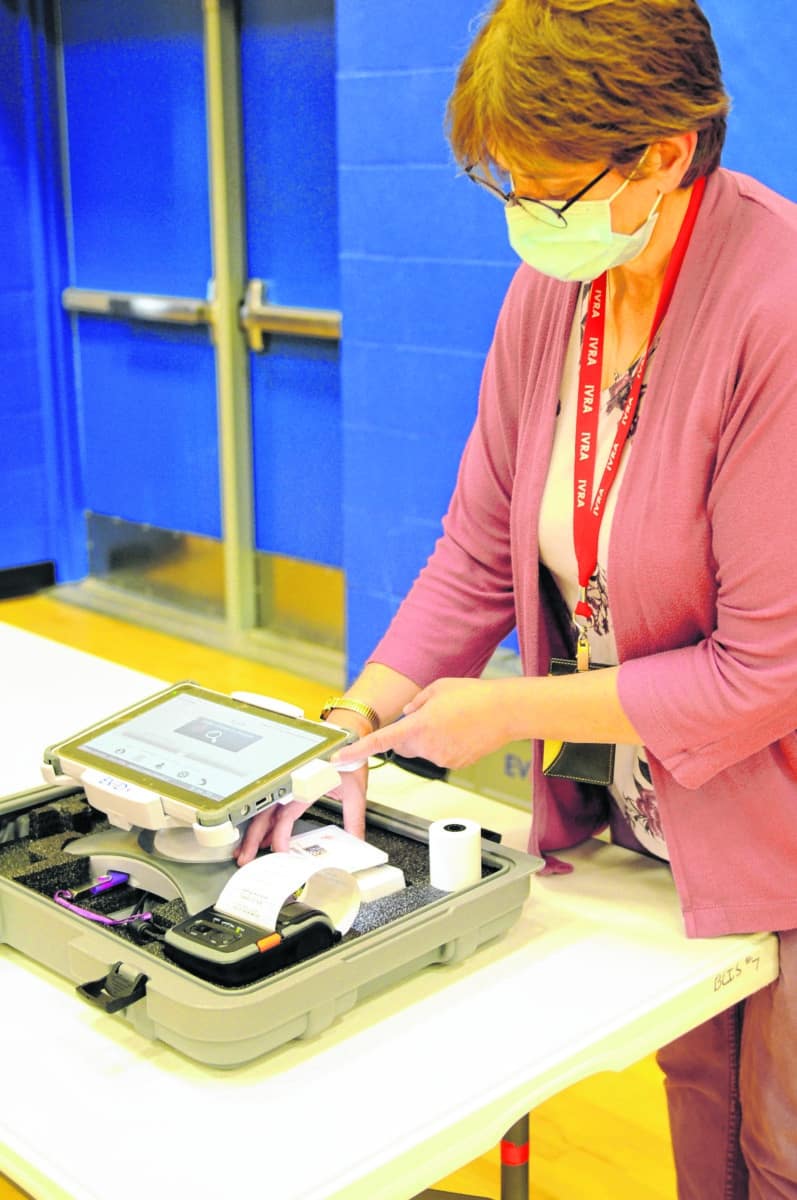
(199, 149)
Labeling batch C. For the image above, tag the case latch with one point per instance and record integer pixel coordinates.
(121, 987)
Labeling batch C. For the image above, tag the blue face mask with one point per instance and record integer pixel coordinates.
(585, 247)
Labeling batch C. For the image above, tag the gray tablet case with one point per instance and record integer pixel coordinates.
(222, 1026)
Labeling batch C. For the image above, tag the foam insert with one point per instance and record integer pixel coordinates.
(32, 855)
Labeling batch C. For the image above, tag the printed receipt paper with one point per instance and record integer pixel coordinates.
(319, 870)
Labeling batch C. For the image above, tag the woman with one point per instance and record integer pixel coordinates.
(625, 496)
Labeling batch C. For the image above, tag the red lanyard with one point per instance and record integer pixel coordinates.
(588, 509)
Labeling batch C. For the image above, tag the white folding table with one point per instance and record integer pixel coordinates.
(404, 1089)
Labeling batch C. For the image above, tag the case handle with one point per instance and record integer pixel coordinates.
(119, 988)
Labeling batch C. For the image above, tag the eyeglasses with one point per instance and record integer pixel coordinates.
(542, 210)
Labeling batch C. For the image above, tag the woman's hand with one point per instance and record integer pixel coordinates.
(274, 826)
(453, 722)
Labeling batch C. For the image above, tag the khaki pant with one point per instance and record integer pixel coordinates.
(732, 1095)
(732, 1088)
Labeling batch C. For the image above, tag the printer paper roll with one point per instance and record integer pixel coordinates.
(455, 854)
(257, 892)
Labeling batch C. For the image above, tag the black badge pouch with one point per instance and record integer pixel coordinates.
(584, 762)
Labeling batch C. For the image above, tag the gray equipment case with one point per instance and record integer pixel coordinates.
(228, 1026)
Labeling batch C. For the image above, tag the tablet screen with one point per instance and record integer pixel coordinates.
(196, 743)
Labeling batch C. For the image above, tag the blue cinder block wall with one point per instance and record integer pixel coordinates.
(39, 486)
(24, 517)
(425, 263)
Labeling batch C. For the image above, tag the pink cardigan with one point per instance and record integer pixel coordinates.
(702, 563)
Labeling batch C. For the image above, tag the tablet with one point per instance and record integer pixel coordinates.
(208, 757)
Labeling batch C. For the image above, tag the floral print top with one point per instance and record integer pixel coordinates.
(632, 790)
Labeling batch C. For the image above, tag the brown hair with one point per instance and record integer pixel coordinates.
(588, 80)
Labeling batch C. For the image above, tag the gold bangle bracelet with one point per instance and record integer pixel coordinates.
(356, 706)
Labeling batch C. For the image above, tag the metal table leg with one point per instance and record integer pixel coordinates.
(514, 1168)
(515, 1161)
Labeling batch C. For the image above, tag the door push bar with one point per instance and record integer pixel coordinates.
(257, 318)
(174, 310)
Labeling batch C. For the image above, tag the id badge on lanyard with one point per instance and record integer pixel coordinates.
(588, 762)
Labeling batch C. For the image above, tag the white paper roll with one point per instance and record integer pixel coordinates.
(455, 853)
(257, 892)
